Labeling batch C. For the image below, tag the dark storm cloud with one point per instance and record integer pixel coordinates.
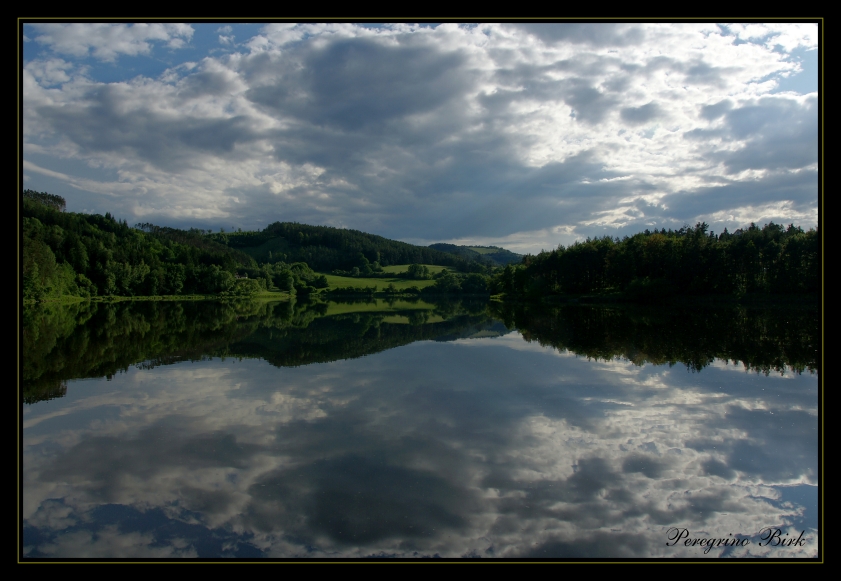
(477, 167)
(702, 73)
(716, 468)
(356, 500)
(763, 115)
(641, 115)
(578, 89)
(428, 134)
(414, 160)
(588, 103)
(205, 83)
(702, 135)
(653, 65)
(355, 83)
(498, 102)
(713, 112)
(513, 198)
(617, 83)
(103, 124)
(358, 84)
(781, 134)
(797, 187)
(651, 467)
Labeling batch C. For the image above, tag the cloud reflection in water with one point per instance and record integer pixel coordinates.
(477, 447)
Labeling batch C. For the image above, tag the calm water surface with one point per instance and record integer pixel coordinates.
(411, 430)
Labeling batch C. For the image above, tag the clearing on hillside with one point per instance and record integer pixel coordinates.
(380, 283)
(398, 268)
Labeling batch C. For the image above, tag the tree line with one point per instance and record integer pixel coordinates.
(327, 249)
(90, 339)
(87, 255)
(759, 339)
(492, 255)
(72, 254)
(655, 264)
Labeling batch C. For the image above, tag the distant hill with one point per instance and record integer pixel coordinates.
(326, 248)
(491, 255)
(84, 255)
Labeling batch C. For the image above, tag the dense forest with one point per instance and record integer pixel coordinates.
(489, 255)
(83, 255)
(651, 266)
(326, 249)
(66, 253)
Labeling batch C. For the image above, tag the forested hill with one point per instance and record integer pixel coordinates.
(490, 255)
(326, 249)
(70, 254)
(653, 265)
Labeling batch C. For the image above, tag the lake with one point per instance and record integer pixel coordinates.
(157, 430)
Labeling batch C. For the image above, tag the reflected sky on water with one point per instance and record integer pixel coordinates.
(490, 447)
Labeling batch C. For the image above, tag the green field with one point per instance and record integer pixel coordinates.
(405, 267)
(377, 306)
(381, 284)
(481, 250)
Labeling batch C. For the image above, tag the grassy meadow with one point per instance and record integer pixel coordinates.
(398, 268)
(382, 283)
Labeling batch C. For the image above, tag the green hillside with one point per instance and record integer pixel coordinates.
(80, 255)
(326, 249)
(489, 255)
(83, 255)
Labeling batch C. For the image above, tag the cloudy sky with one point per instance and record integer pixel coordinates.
(585, 458)
(521, 135)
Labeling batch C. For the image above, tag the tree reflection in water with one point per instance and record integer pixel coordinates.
(415, 430)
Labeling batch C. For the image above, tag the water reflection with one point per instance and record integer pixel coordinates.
(479, 444)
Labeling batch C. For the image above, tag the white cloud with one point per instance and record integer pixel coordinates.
(577, 448)
(106, 41)
(786, 35)
(50, 72)
(488, 132)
